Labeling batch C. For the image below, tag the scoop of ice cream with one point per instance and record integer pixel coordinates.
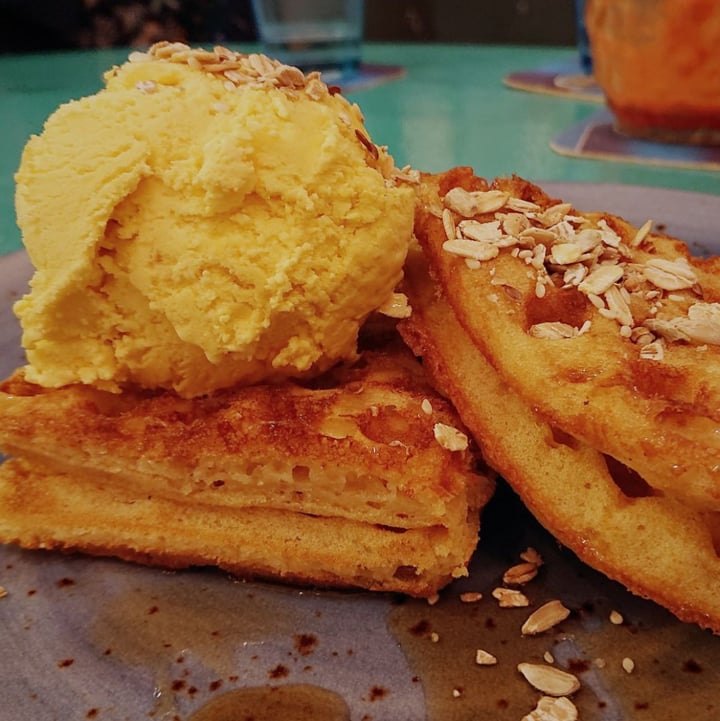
(207, 219)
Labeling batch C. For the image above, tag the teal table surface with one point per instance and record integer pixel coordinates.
(451, 108)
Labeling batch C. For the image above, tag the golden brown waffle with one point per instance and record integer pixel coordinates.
(611, 332)
(342, 483)
(657, 547)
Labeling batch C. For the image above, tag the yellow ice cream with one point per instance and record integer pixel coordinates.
(207, 219)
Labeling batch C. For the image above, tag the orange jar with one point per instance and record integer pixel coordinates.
(658, 63)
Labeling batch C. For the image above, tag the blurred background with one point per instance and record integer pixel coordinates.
(34, 25)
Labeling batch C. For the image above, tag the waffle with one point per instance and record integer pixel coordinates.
(609, 517)
(340, 483)
(611, 332)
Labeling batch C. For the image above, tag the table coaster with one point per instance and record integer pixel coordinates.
(562, 79)
(368, 75)
(597, 138)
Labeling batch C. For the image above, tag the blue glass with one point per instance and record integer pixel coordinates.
(312, 34)
(583, 42)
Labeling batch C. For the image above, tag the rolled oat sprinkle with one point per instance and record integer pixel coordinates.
(146, 86)
(238, 70)
(520, 574)
(532, 556)
(597, 257)
(484, 658)
(450, 438)
(510, 598)
(544, 618)
(549, 679)
(553, 709)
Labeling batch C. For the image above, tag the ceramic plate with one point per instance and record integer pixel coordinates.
(88, 638)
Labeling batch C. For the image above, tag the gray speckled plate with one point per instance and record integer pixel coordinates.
(88, 638)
